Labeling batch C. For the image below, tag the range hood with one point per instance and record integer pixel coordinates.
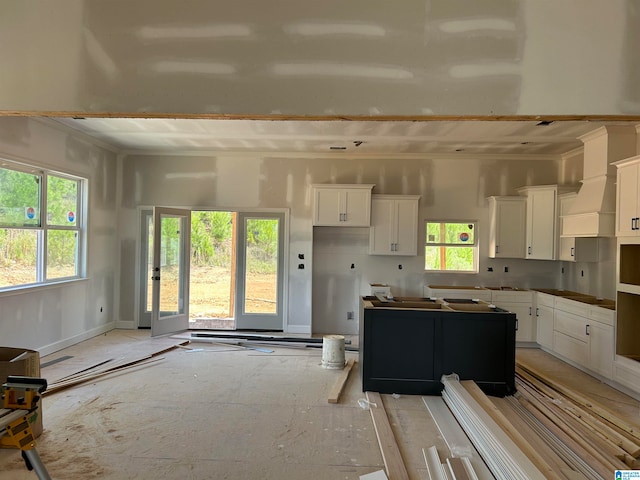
(593, 213)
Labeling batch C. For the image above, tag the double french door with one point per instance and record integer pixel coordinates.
(211, 269)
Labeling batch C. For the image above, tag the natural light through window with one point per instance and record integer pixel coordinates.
(451, 246)
(41, 226)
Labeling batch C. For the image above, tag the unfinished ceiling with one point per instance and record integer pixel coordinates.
(504, 138)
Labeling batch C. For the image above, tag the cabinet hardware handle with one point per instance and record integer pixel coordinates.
(345, 216)
(529, 250)
(529, 311)
(516, 324)
(586, 329)
(573, 251)
(537, 312)
(497, 248)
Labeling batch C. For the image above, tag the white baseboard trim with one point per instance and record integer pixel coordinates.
(126, 325)
(302, 329)
(54, 347)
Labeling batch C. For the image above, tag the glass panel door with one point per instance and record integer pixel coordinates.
(260, 271)
(170, 274)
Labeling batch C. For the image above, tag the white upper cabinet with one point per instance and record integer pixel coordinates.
(542, 228)
(394, 225)
(507, 227)
(628, 197)
(572, 249)
(342, 205)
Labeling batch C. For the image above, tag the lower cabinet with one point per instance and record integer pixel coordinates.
(544, 320)
(570, 339)
(519, 302)
(579, 332)
(601, 349)
(408, 350)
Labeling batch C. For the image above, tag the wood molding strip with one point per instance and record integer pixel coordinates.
(336, 390)
(504, 458)
(484, 401)
(391, 456)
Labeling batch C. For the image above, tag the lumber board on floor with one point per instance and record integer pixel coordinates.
(503, 457)
(393, 462)
(592, 420)
(497, 416)
(595, 460)
(338, 386)
(532, 435)
(582, 400)
(89, 374)
(454, 436)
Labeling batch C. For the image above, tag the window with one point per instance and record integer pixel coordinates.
(451, 247)
(41, 226)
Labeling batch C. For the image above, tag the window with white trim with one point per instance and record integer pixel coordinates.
(41, 226)
(451, 246)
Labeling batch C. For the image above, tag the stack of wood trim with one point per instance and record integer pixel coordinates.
(454, 468)
(593, 433)
(106, 367)
(503, 457)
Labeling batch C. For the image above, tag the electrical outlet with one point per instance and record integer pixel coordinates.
(350, 316)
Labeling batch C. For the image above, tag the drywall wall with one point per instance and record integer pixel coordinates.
(52, 317)
(328, 288)
(362, 57)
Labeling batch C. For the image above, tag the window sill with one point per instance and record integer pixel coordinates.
(19, 290)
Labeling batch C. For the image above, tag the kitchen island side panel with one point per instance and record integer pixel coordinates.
(406, 351)
(400, 353)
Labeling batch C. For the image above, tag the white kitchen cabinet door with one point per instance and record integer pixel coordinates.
(541, 224)
(342, 205)
(525, 320)
(544, 326)
(507, 227)
(572, 249)
(394, 225)
(628, 193)
(601, 348)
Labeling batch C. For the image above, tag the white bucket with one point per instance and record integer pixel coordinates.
(333, 351)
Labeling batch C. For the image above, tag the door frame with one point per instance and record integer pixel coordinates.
(139, 288)
(179, 321)
(282, 277)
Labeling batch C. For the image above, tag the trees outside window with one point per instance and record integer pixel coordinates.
(451, 246)
(41, 225)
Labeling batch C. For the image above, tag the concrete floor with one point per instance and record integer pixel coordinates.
(226, 413)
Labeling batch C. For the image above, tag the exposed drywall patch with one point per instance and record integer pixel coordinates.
(99, 56)
(199, 32)
(196, 67)
(471, 70)
(341, 70)
(478, 24)
(314, 29)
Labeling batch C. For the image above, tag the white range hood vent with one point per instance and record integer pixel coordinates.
(593, 213)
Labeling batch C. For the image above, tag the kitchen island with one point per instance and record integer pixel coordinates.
(407, 344)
